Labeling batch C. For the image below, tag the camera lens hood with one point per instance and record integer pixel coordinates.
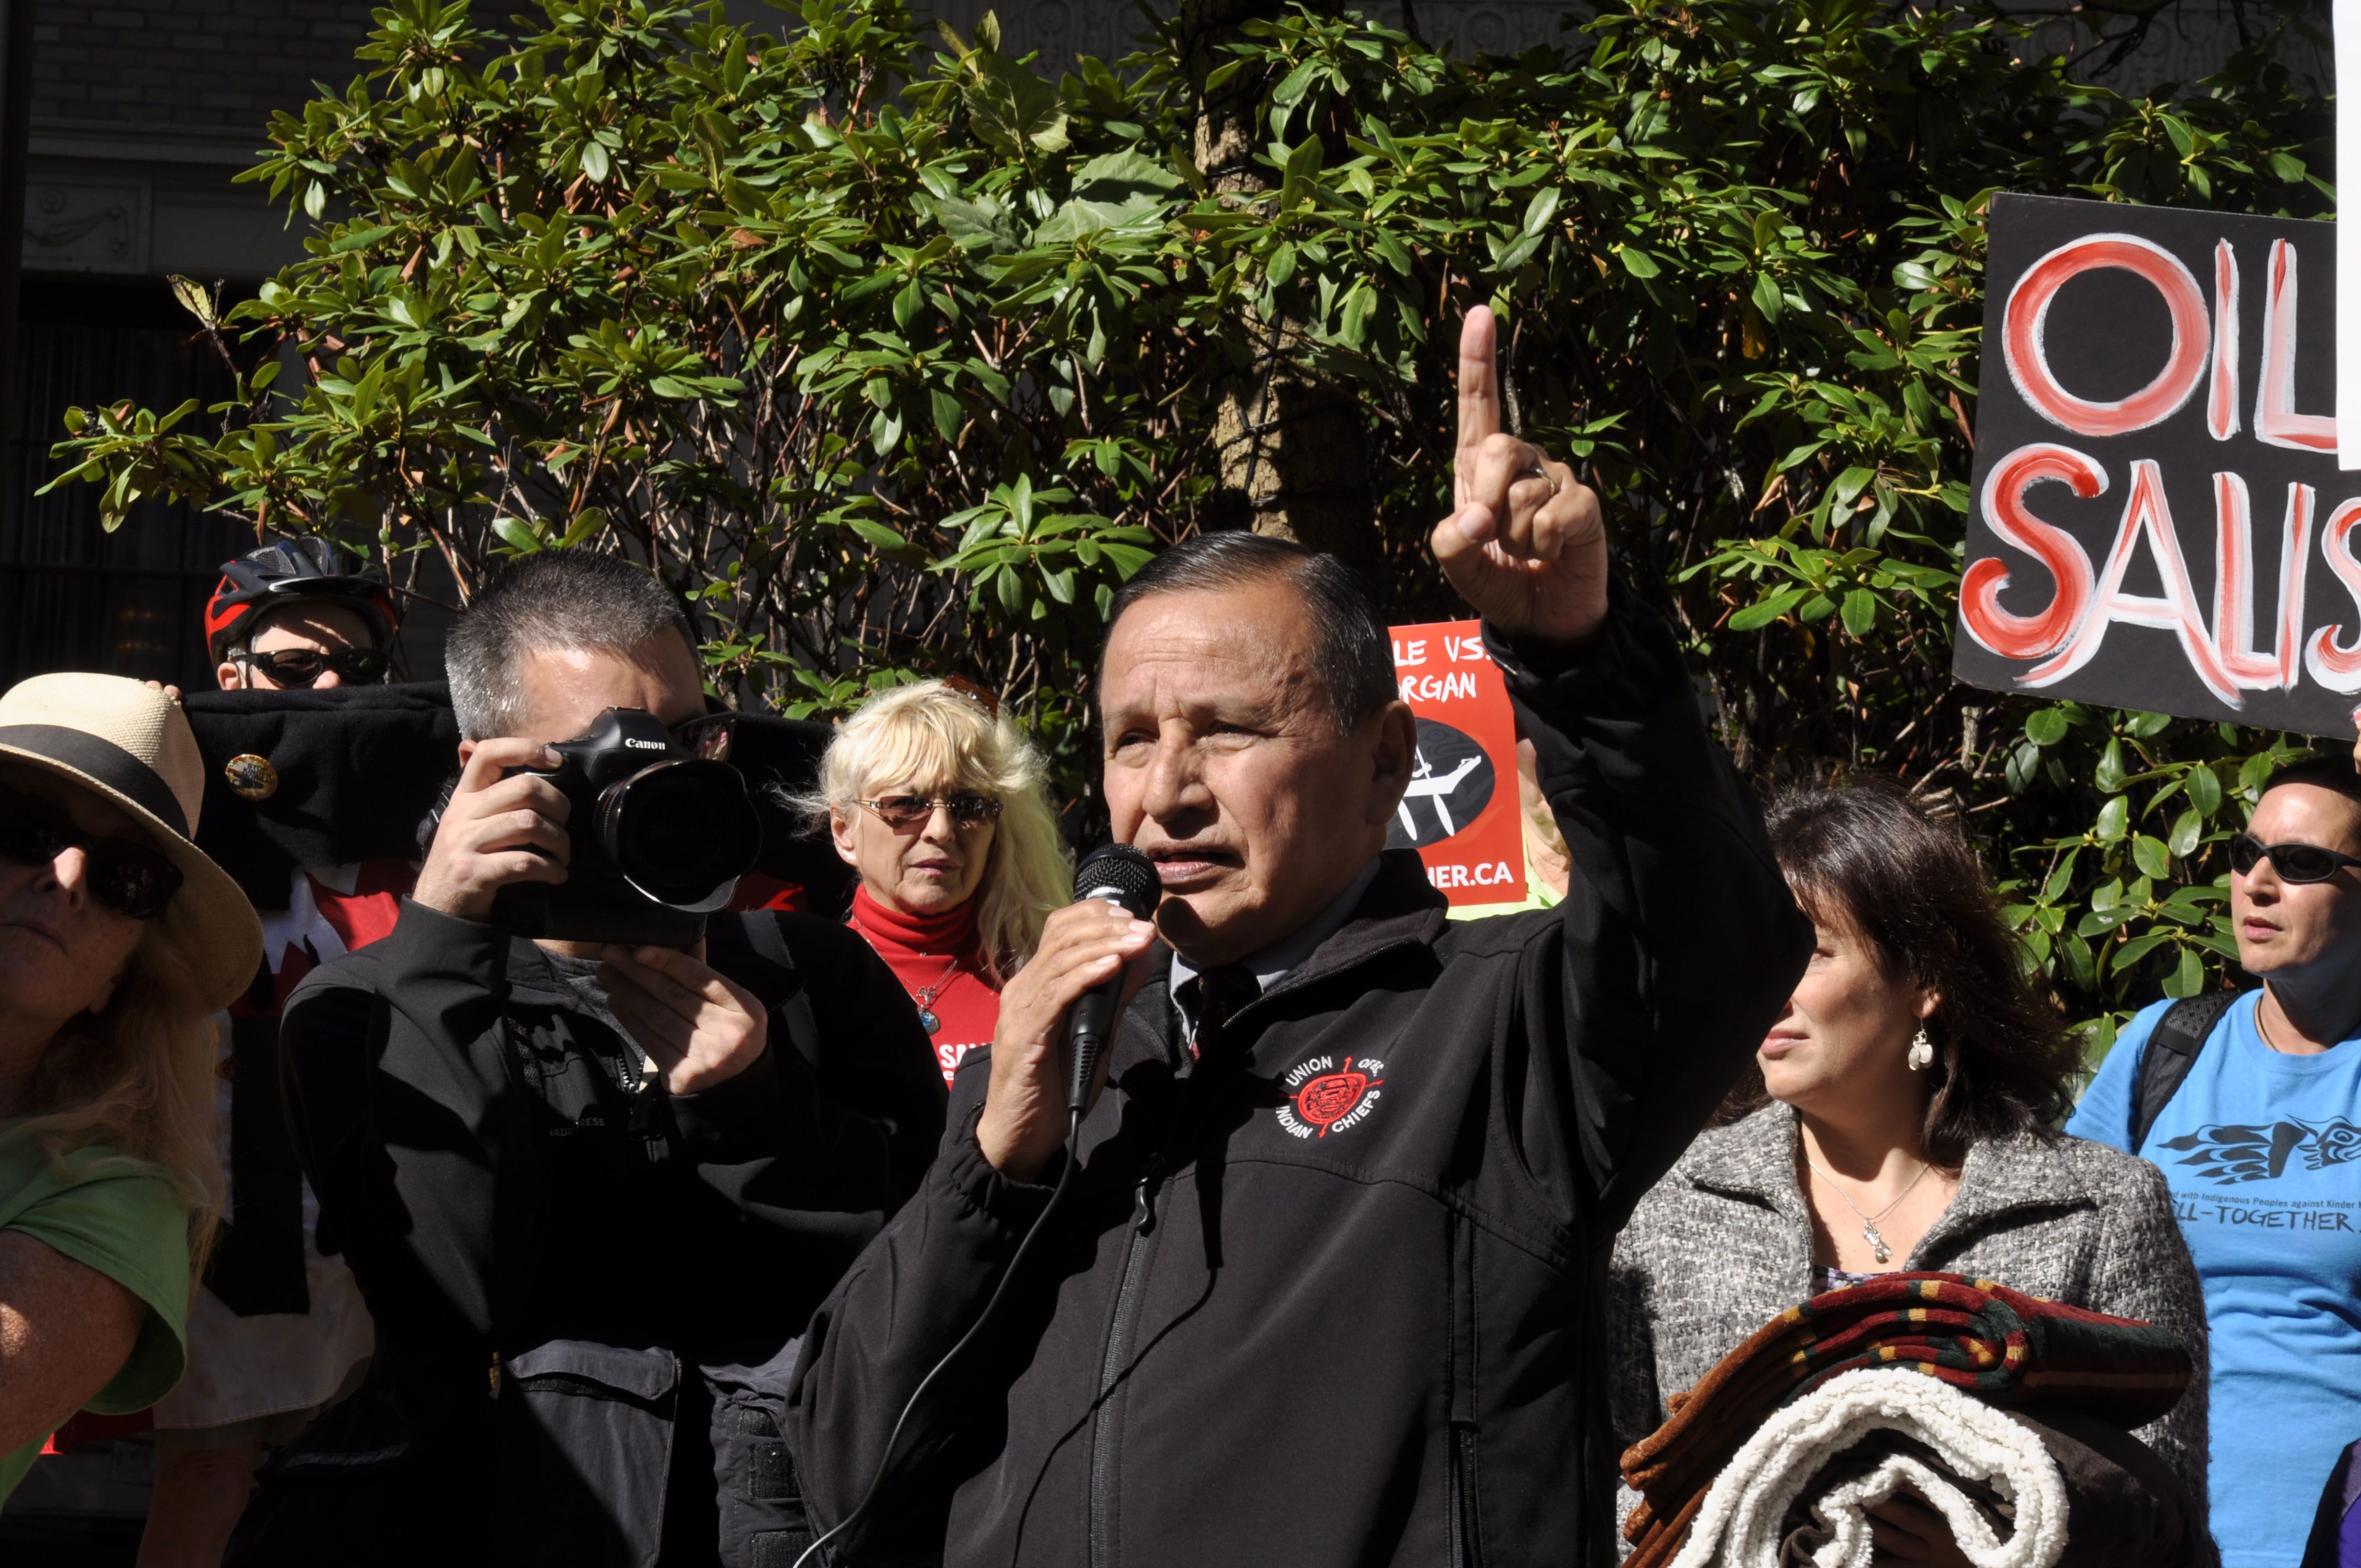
(681, 832)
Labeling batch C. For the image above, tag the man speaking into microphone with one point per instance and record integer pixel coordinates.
(1323, 1283)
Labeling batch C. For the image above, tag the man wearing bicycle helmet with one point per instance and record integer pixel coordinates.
(293, 615)
(278, 1332)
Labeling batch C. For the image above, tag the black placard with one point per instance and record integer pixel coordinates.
(2154, 438)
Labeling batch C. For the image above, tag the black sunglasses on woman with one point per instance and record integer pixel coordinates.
(2294, 862)
(129, 878)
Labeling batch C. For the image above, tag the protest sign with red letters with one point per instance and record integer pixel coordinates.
(1461, 812)
(2157, 518)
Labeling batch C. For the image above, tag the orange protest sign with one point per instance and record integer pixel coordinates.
(1461, 812)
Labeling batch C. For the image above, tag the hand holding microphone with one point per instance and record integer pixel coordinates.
(1122, 876)
(1078, 983)
(1058, 1011)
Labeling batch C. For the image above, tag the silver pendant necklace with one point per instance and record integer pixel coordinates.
(924, 995)
(1869, 1231)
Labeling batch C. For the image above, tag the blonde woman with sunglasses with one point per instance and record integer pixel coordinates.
(938, 802)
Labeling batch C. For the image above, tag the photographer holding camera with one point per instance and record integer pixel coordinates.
(591, 1183)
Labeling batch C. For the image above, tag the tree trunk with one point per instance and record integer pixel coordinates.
(1294, 454)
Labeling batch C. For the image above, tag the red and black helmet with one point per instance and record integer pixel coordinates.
(292, 571)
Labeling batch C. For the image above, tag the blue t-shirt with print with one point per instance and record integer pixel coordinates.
(2263, 1152)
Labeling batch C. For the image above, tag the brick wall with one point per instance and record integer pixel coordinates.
(227, 64)
(199, 63)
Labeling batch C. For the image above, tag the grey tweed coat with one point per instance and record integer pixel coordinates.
(1723, 1244)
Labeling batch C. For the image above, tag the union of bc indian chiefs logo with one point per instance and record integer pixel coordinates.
(1327, 1096)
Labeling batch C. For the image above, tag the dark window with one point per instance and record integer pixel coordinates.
(71, 596)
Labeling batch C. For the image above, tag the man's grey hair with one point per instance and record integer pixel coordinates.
(1350, 649)
(569, 599)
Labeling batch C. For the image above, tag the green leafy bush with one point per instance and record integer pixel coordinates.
(897, 357)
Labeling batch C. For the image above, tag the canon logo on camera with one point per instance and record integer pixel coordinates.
(659, 840)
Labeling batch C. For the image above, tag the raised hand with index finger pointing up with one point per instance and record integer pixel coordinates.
(1525, 542)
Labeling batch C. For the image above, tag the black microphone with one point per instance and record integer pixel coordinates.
(1120, 874)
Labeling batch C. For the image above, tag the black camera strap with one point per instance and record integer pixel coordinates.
(785, 994)
(516, 1188)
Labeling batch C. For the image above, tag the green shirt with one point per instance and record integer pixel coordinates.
(124, 1220)
(1537, 897)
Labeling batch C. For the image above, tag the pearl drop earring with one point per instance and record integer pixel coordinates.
(1922, 1050)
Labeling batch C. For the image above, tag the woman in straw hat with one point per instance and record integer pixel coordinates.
(118, 941)
(938, 801)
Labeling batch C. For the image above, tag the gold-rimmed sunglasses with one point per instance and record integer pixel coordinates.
(904, 811)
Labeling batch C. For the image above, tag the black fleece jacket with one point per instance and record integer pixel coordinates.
(1332, 1295)
(499, 1176)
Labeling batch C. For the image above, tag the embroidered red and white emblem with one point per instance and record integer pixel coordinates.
(1327, 1096)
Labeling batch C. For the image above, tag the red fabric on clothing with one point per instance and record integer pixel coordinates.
(87, 1426)
(760, 889)
(918, 949)
(367, 913)
(356, 919)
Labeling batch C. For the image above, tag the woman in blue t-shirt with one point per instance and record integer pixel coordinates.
(2262, 1148)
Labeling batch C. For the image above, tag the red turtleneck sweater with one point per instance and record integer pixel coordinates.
(942, 953)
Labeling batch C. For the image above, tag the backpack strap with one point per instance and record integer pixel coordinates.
(2172, 1051)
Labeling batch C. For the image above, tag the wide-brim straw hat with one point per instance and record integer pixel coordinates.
(131, 745)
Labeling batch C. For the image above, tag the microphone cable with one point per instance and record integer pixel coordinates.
(991, 1305)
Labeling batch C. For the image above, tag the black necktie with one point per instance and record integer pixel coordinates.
(1218, 993)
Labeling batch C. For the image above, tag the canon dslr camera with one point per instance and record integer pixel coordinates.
(660, 838)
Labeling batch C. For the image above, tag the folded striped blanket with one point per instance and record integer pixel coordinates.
(1742, 1521)
(1999, 1345)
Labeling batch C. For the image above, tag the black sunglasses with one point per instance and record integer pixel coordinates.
(904, 811)
(130, 878)
(299, 667)
(2294, 862)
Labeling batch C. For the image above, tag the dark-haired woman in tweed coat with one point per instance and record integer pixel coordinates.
(1905, 1101)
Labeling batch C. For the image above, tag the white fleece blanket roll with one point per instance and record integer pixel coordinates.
(1739, 1525)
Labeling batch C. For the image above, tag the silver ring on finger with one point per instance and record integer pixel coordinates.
(1540, 471)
